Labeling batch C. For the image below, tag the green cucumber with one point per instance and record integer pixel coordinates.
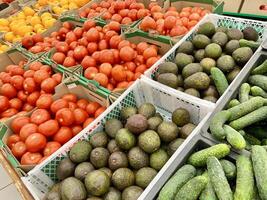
(218, 179)
(244, 92)
(182, 176)
(192, 189)
(251, 118)
(245, 108)
(234, 138)
(249, 43)
(229, 169)
(233, 103)
(208, 193)
(251, 139)
(199, 158)
(261, 69)
(259, 132)
(244, 179)
(257, 91)
(263, 142)
(259, 162)
(200, 171)
(217, 122)
(258, 80)
(219, 79)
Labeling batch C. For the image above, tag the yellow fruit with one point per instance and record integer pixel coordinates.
(49, 22)
(81, 3)
(4, 29)
(21, 15)
(9, 36)
(24, 30)
(4, 22)
(46, 14)
(72, 6)
(42, 2)
(41, 30)
(63, 2)
(37, 26)
(65, 6)
(35, 20)
(28, 11)
(4, 47)
(29, 34)
(57, 10)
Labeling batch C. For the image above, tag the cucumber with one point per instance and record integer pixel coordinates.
(233, 103)
(229, 169)
(261, 69)
(182, 176)
(200, 171)
(192, 189)
(259, 162)
(259, 132)
(218, 179)
(251, 139)
(199, 158)
(249, 43)
(245, 108)
(242, 132)
(244, 92)
(257, 91)
(219, 79)
(258, 80)
(234, 138)
(208, 193)
(264, 142)
(244, 179)
(251, 118)
(217, 122)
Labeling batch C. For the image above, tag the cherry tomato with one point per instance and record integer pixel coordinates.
(40, 116)
(76, 129)
(51, 147)
(63, 135)
(12, 140)
(49, 127)
(65, 117)
(18, 123)
(19, 149)
(30, 158)
(27, 130)
(44, 101)
(59, 104)
(35, 142)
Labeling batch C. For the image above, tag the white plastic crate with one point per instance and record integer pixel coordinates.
(217, 20)
(43, 176)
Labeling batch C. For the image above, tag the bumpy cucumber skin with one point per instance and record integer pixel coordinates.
(182, 176)
(251, 118)
(259, 132)
(229, 169)
(233, 103)
(192, 189)
(218, 179)
(199, 158)
(257, 91)
(261, 69)
(258, 80)
(259, 162)
(251, 139)
(245, 108)
(208, 193)
(234, 138)
(244, 179)
(219, 79)
(217, 122)
(244, 92)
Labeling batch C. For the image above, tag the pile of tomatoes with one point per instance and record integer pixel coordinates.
(51, 125)
(20, 89)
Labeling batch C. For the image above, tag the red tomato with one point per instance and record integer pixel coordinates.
(65, 117)
(15, 103)
(44, 101)
(70, 97)
(82, 103)
(33, 97)
(17, 82)
(48, 85)
(27, 107)
(57, 77)
(127, 54)
(105, 68)
(88, 61)
(35, 142)
(59, 104)
(87, 122)
(80, 116)
(48, 128)
(118, 73)
(51, 147)
(63, 135)
(28, 74)
(29, 85)
(150, 52)
(18, 123)
(40, 116)
(59, 57)
(102, 79)
(8, 90)
(9, 113)
(27, 130)
(91, 47)
(92, 35)
(99, 111)
(30, 158)
(90, 72)
(76, 129)
(40, 75)
(12, 140)
(4, 103)
(69, 62)
(19, 149)
(72, 106)
(80, 52)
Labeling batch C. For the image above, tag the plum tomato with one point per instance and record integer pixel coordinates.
(30, 158)
(27, 107)
(15, 103)
(48, 128)
(44, 101)
(4, 103)
(70, 97)
(29, 85)
(9, 112)
(40, 116)
(92, 107)
(17, 82)
(35, 142)
(80, 52)
(99, 111)
(87, 122)
(18, 123)
(82, 103)
(76, 129)
(51, 147)
(63, 135)
(27, 130)
(57, 77)
(72, 106)
(40, 75)
(12, 140)
(33, 97)
(59, 57)
(8, 90)
(19, 149)
(80, 116)
(65, 117)
(59, 104)
(48, 85)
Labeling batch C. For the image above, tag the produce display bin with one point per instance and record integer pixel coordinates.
(217, 20)
(42, 176)
(10, 10)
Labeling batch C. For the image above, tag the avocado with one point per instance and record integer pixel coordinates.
(80, 151)
(199, 81)
(167, 131)
(106, 170)
(113, 194)
(158, 159)
(149, 141)
(207, 29)
(213, 50)
(138, 158)
(250, 34)
(137, 123)
(207, 64)
(112, 146)
(127, 112)
(112, 126)
(226, 63)
(186, 130)
(210, 91)
(99, 157)
(97, 183)
(117, 160)
(168, 67)
(186, 47)
(180, 116)
(199, 55)
(123, 178)
(193, 92)
(234, 34)
(72, 188)
(54, 193)
(174, 145)
(210, 98)
(220, 38)
(158, 115)
(154, 122)
(182, 59)
(180, 89)
(231, 46)
(231, 75)
(190, 69)
(168, 79)
(242, 55)
(147, 109)
(144, 176)
(180, 81)
(131, 193)
(65, 169)
(200, 41)
(82, 170)
(221, 29)
(99, 139)
(125, 139)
